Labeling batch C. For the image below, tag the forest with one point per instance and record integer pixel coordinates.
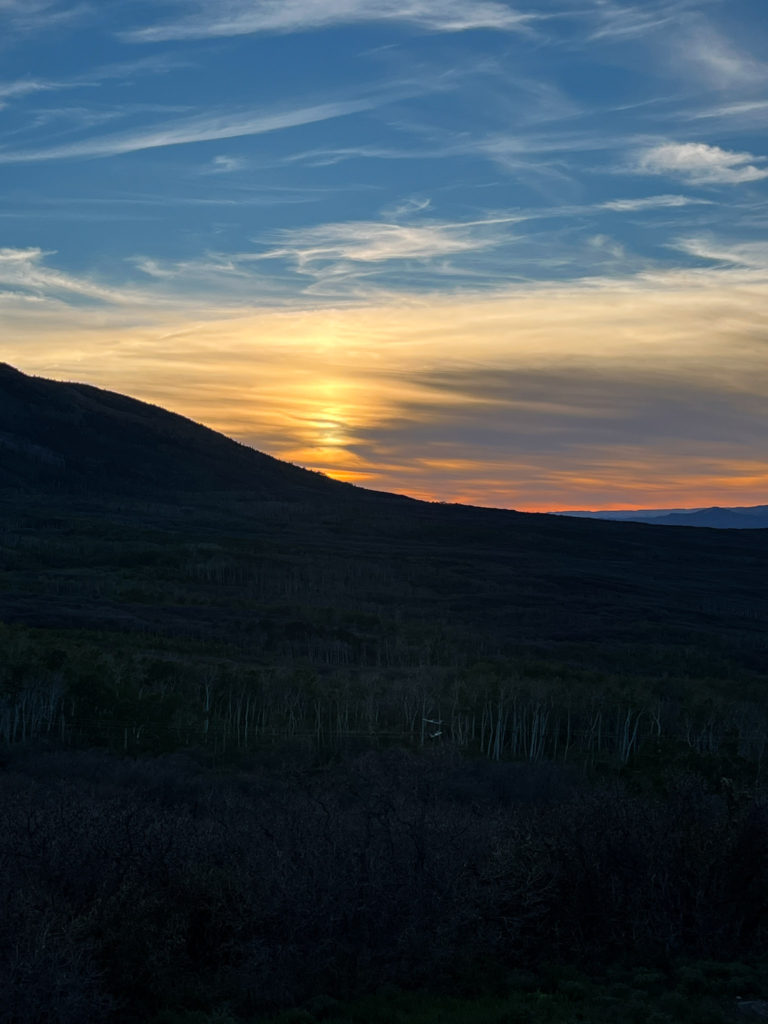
(300, 752)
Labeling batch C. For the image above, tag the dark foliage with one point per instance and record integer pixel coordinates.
(133, 887)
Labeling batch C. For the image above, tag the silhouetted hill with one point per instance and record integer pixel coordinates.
(77, 437)
(718, 518)
(144, 522)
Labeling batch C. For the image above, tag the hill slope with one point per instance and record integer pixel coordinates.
(215, 554)
(78, 437)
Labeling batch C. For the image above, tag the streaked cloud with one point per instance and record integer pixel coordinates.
(242, 17)
(25, 271)
(361, 261)
(21, 88)
(652, 203)
(701, 164)
(225, 165)
(351, 261)
(720, 64)
(120, 70)
(205, 128)
(408, 207)
(652, 385)
(744, 254)
(733, 110)
(622, 21)
(34, 16)
(25, 87)
(375, 242)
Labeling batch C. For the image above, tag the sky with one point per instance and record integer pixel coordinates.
(511, 254)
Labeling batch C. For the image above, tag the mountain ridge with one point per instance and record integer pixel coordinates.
(73, 436)
(748, 517)
(67, 436)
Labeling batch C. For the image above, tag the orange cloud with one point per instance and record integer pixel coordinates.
(651, 391)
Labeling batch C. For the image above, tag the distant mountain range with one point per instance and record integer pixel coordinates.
(753, 517)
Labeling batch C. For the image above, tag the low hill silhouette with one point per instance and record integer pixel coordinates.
(78, 437)
(715, 517)
(750, 517)
(510, 577)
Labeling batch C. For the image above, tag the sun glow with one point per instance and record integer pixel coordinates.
(646, 391)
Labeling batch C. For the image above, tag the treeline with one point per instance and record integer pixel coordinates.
(132, 888)
(133, 702)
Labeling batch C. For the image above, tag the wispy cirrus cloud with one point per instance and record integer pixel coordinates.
(701, 164)
(652, 203)
(155, 64)
(375, 242)
(410, 207)
(223, 164)
(627, 21)
(33, 16)
(750, 255)
(682, 26)
(335, 258)
(20, 88)
(409, 252)
(718, 61)
(26, 87)
(242, 17)
(25, 271)
(356, 260)
(744, 114)
(734, 109)
(204, 128)
(683, 40)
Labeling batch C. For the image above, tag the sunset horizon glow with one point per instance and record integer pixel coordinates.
(496, 254)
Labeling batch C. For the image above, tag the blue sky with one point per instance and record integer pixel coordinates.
(509, 254)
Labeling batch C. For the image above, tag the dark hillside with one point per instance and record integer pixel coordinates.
(339, 610)
(178, 531)
(75, 437)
